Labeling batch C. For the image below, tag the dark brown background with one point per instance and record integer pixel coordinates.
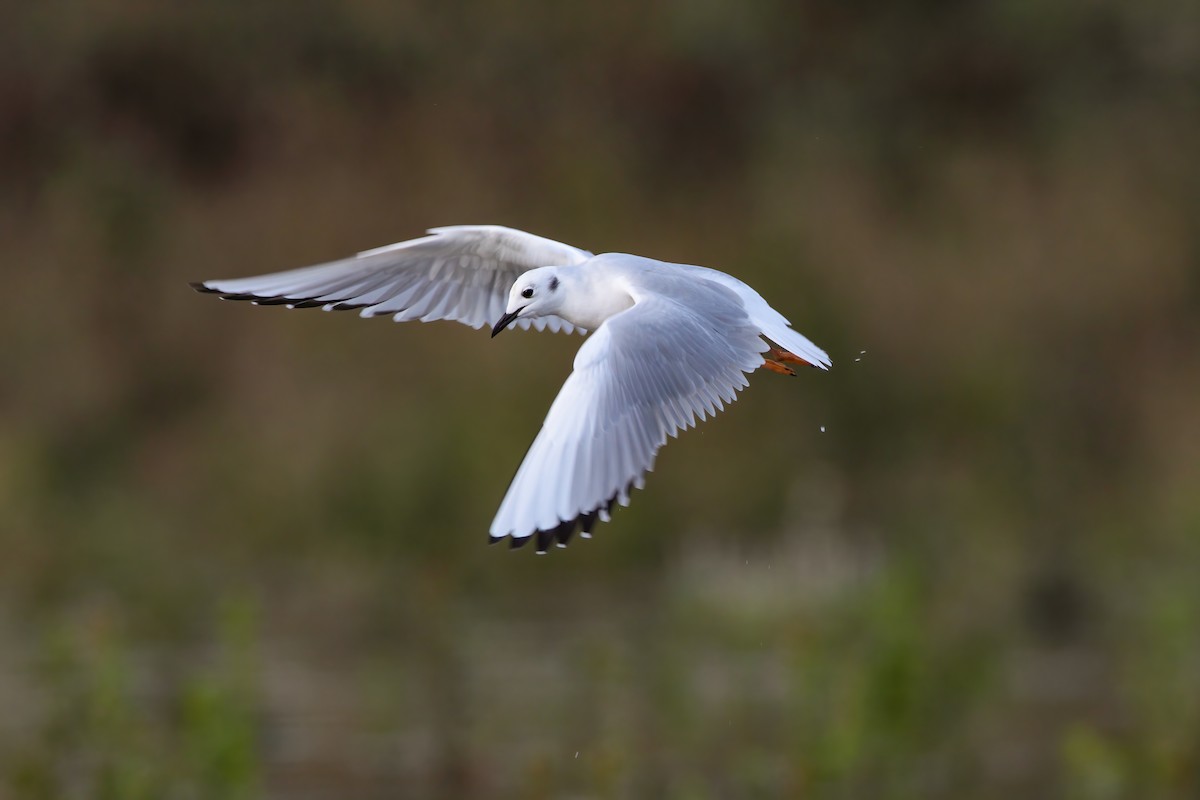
(242, 550)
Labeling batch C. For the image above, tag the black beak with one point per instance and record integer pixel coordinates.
(506, 320)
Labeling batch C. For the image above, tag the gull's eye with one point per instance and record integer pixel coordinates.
(527, 292)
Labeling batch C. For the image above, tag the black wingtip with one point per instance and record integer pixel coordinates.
(258, 299)
(563, 533)
(560, 535)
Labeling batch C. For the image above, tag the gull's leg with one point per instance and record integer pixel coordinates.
(775, 366)
(781, 355)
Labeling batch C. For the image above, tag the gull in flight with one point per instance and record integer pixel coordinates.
(671, 342)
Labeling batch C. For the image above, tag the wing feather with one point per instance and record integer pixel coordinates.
(461, 273)
(643, 376)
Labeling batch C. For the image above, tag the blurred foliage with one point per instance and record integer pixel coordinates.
(963, 563)
(110, 732)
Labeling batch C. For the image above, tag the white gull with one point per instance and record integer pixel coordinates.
(671, 342)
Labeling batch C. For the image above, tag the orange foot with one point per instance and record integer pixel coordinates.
(777, 360)
(777, 354)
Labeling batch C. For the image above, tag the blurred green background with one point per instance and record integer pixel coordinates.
(242, 550)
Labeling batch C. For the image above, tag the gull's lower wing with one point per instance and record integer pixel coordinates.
(461, 273)
(644, 375)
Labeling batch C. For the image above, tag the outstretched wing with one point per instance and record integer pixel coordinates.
(462, 273)
(644, 375)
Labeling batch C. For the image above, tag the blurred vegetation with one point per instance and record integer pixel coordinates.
(243, 549)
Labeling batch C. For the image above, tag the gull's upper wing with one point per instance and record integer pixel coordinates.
(461, 273)
(642, 376)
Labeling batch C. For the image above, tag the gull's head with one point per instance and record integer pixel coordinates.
(537, 293)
